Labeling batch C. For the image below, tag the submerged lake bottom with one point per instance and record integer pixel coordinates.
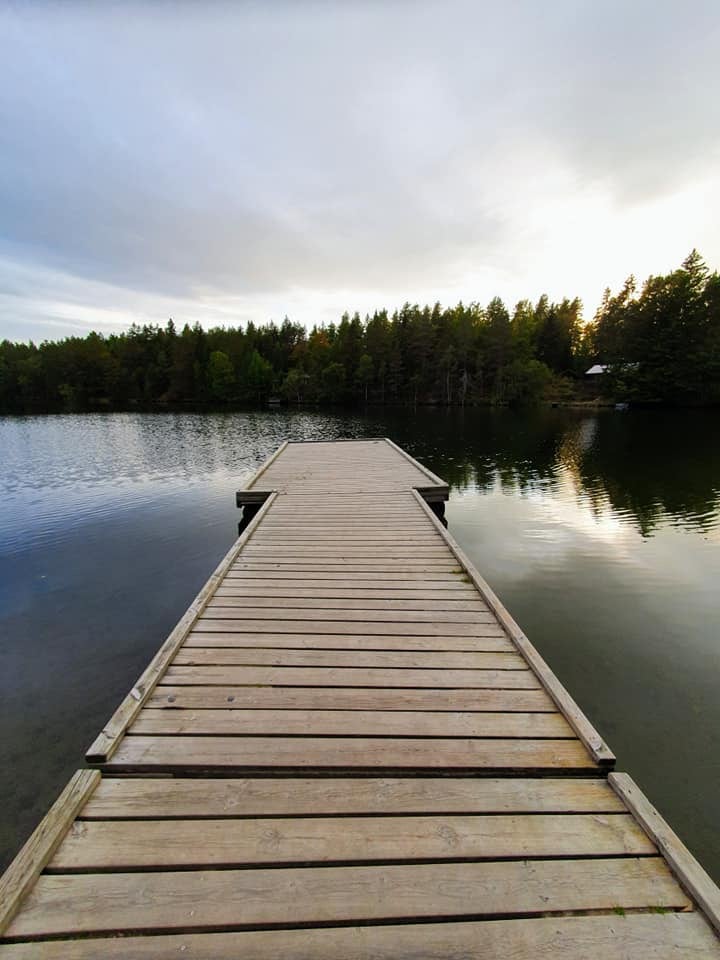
(599, 531)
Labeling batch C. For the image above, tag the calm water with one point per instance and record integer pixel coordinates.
(600, 532)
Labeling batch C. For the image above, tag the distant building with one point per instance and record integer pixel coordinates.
(595, 369)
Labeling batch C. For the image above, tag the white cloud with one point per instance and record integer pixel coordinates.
(229, 162)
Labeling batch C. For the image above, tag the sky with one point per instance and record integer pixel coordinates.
(226, 163)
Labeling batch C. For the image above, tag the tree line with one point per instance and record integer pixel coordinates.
(661, 342)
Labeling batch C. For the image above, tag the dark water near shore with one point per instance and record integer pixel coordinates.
(601, 533)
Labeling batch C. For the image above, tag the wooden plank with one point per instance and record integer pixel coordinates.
(345, 753)
(387, 659)
(350, 634)
(347, 565)
(347, 551)
(634, 936)
(228, 608)
(347, 532)
(370, 723)
(107, 741)
(292, 507)
(162, 844)
(333, 527)
(336, 495)
(488, 636)
(292, 517)
(472, 611)
(157, 798)
(683, 864)
(322, 501)
(222, 899)
(324, 504)
(301, 641)
(358, 515)
(172, 697)
(297, 523)
(352, 677)
(338, 580)
(20, 877)
(269, 592)
(290, 511)
(584, 729)
(366, 628)
(416, 542)
(420, 570)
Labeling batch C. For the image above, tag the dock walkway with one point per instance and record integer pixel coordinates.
(348, 748)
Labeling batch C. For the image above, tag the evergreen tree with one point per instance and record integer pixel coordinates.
(661, 343)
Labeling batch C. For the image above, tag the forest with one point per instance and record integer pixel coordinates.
(660, 343)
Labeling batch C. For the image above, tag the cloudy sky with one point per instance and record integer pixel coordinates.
(234, 162)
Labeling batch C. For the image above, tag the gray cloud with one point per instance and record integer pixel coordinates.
(182, 152)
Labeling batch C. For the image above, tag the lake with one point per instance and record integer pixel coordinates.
(599, 531)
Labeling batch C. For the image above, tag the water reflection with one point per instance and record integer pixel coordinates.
(646, 468)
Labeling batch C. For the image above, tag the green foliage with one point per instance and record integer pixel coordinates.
(258, 376)
(221, 375)
(333, 381)
(526, 381)
(365, 373)
(662, 343)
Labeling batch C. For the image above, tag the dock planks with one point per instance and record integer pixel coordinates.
(348, 748)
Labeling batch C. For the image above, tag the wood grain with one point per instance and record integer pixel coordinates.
(389, 659)
(438, 607)
(633, 936)
(352, 677)
(184, 753)
(368, 628)
(329, 641)
(22, 874)
(682, 863)
(171, 697)
(375, 723)
(140, 797)
(105, 903)
(156, 844)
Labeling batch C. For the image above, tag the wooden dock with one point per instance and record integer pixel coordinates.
(348, 749)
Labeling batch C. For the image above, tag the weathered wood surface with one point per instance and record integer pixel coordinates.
(198, 697)
(140, 797)
(191, 753)
(490, 642)
(101, 903)
(391, 660)
(368, 723)
(227, 608)
(213, 866)
(632, 936)
(346, 739)
(120, 845)
(23, 873)
(352, 677)
(682, 863)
